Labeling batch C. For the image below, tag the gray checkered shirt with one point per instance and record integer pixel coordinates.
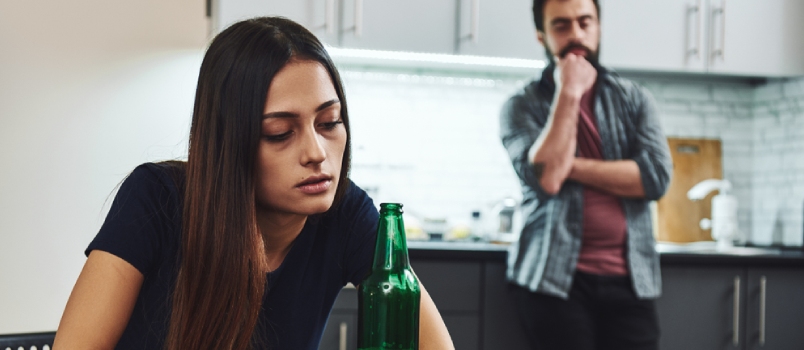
(544, 258)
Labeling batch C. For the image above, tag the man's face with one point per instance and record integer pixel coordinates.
(570, 26)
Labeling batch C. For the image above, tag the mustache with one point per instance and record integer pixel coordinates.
(573, 46)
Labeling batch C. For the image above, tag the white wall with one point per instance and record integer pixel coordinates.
(88, 90)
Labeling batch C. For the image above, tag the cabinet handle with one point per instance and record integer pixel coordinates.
(358, 18)
(342, 336)
(736, 324)
(329, 16)
(720, 51)
(763, 289)
(474, 25)
(696, 11)
(358, 26)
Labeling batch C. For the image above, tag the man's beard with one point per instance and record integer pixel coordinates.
(591, 56)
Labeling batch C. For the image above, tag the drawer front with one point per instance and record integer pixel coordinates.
(454, 286)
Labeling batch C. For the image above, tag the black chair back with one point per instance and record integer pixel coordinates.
(27, 341)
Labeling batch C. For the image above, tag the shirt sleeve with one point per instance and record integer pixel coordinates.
(360, 218)
(142, 215)
(520, 125)
(652, 153)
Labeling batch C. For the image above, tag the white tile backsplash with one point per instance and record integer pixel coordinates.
(431, 142)
(445, 129)
(778, 162)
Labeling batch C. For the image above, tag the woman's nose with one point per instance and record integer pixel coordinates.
(313, 151)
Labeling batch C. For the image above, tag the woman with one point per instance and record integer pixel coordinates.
(248, 243)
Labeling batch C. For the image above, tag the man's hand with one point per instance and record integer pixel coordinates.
(577, 75)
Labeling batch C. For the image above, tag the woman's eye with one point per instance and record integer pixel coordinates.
(278, 137)
(331, 125)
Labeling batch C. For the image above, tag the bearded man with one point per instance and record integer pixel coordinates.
(590, 155)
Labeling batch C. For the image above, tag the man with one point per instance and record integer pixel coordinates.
(590, 155)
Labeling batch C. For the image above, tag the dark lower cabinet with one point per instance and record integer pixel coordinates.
(454, 286)
(703, 307)
(775, 311)
(742, 308)
(501, 327)
(697, 309)
(464, 330)
(341, 331)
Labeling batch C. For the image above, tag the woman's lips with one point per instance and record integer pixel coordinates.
(315, 187)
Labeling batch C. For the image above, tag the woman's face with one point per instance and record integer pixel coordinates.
(303, 140)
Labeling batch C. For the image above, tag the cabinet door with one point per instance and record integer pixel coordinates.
(411, 25)
(341, 331)
(501, 327)
(775, 315)
(463, 329)
(697, 309)
(453, 285)
(455, 289)
(319, 16)
(499, 28)
(761, 38)
(665, 35)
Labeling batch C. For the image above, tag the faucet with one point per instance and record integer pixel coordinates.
(724, 210)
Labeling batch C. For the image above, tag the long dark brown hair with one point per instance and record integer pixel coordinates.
(221, 280)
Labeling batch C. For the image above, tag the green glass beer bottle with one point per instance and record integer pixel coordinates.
(388, 299)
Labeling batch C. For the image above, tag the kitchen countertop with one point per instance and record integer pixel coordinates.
(668, 253)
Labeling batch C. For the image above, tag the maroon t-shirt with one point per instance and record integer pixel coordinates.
(604, 225)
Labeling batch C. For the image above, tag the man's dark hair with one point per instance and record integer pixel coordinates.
(538, 13)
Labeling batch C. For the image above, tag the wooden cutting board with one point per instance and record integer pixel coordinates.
(694, 160)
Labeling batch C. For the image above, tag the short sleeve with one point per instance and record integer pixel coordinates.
(359, 217)
(144, 214)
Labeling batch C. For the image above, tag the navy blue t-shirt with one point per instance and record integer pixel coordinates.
(143, 227)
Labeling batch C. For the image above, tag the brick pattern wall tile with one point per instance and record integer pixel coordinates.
(778, 172)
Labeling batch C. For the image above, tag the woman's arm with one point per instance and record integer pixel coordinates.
(433, 334)
(100, 305)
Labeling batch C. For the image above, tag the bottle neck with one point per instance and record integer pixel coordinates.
(391, 252)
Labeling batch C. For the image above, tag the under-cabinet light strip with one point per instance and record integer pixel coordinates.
(435, 58)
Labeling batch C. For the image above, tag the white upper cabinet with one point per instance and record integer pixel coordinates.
(729, 37)
(499, 28)
(753, 37)
(734, 37)
(399, 25)
(319, 16)
(666, 35)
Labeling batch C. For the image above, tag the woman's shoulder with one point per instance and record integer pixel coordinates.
(167, 177)
(143, 221)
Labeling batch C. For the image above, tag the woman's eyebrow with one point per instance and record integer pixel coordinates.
(283, 114)
(280, 115)
(325, 105)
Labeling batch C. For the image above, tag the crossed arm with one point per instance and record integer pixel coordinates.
(554, 161)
